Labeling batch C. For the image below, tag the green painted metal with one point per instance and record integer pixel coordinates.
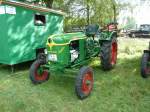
(88, 48)
(20, 37)
(66, 38)
(60, 47)
(106, 35)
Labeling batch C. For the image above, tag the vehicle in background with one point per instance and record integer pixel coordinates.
(143, 31)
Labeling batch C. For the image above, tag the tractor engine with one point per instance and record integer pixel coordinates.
(74, 50)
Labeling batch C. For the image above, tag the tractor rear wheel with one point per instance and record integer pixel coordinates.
(145, 69)
(84, 82)
(109, 54)
(37, 73)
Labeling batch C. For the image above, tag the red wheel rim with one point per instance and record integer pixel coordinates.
(87, 83)
(40, 76)
(113, 53)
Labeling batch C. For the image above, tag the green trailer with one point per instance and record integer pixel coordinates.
(24, 29)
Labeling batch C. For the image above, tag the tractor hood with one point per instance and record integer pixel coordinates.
(65, 38)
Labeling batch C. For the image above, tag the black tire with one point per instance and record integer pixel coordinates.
(36, 77)
(145, 70)
(84, 82)
(109, 54)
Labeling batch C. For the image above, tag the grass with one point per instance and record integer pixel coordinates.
(119, 90)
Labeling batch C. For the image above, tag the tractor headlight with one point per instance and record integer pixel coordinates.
(45, 51)
(52, 57)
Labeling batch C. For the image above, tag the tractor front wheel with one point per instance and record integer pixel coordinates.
(84, 82)
(37, 73)
(145, 69)
(109, 54)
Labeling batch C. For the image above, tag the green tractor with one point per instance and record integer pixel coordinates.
(71, 51)
(145, 63)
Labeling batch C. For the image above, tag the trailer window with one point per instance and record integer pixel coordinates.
(39, 20)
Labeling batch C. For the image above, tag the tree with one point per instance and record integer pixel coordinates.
(95, 11)
(131, 23)
(84, 12)
(48, 3)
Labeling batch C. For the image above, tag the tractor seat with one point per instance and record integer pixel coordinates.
(91, 30)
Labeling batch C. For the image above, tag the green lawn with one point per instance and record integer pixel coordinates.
(119, 90)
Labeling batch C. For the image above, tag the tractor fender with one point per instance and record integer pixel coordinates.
(112, 34)
(108, 35)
